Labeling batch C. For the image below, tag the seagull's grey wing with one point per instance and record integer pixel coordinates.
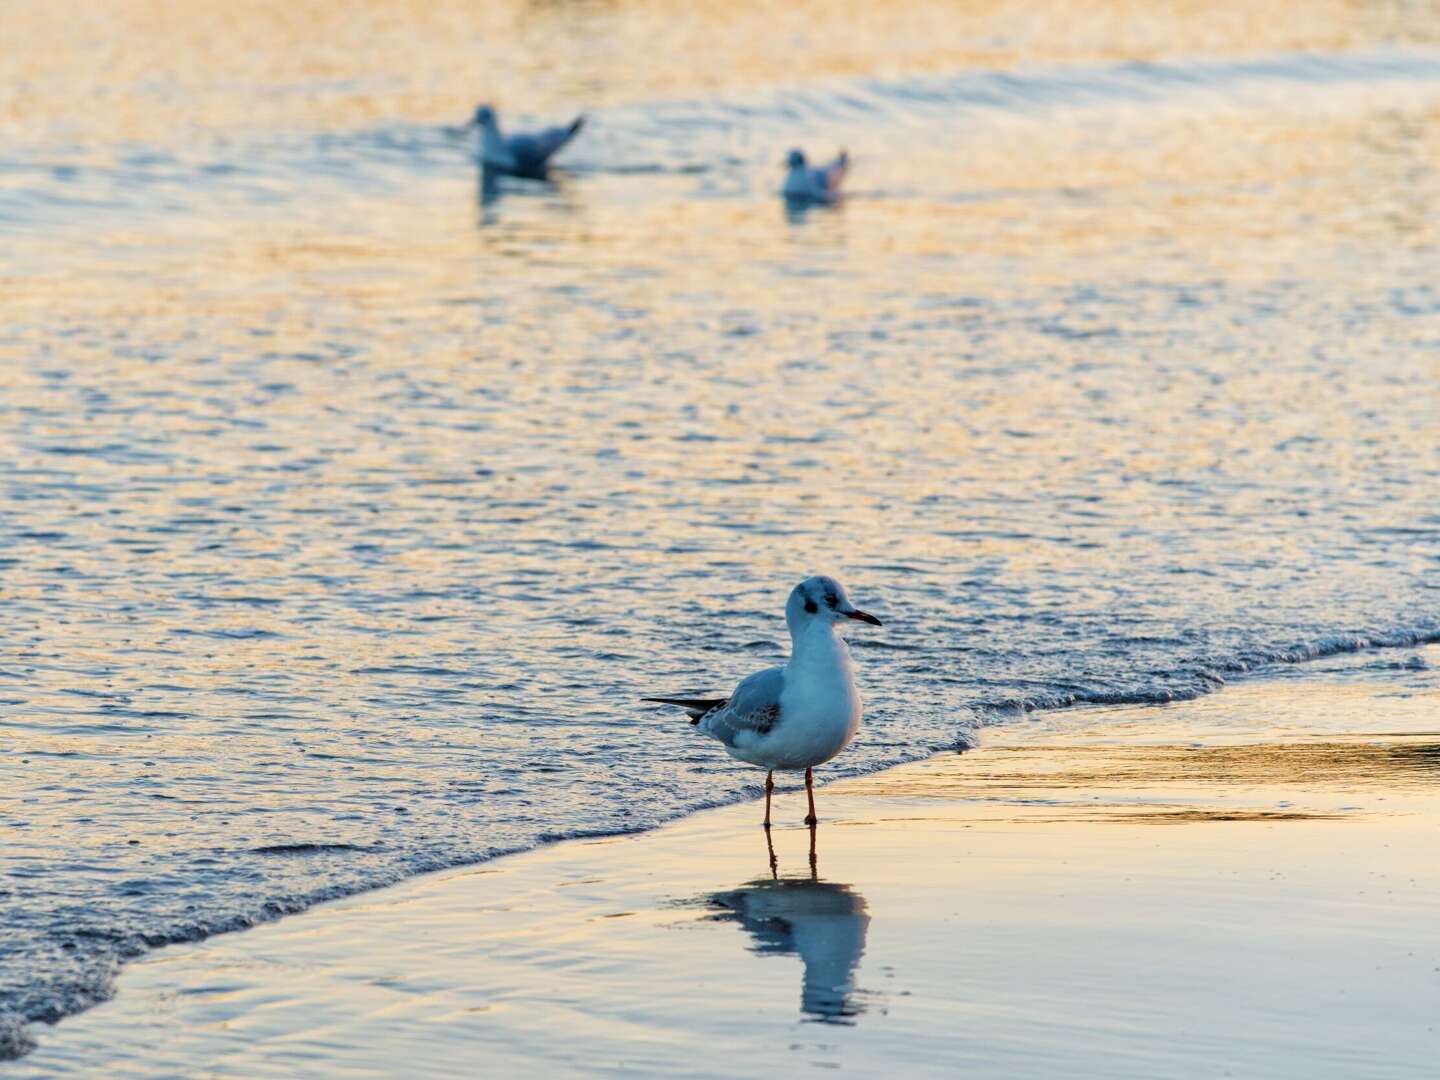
(753, 709)
(533, 149)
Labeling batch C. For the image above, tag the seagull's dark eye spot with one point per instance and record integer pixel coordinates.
(810, 607)
(830, 599)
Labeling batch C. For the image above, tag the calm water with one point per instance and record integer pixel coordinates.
(343, 517)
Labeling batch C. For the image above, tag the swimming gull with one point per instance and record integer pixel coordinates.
(800, 715)
(524, 154)
(821, 184)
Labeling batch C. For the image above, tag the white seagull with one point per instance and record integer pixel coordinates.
(821, 184)
(523, 154)
(800, 715)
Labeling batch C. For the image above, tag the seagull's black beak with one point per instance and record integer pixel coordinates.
(863, 616)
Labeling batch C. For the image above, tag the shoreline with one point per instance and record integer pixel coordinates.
(1323, 656)
(1162, 892)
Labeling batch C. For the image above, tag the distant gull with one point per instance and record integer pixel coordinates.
(523, 154)
(820, 184)
(800, 715)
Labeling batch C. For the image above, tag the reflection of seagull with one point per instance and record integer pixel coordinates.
(524, 154)
(799, 715)
(804, 184)
(821, 921)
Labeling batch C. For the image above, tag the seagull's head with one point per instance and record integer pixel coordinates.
(796, 160)
(484, 116)
(822, 599)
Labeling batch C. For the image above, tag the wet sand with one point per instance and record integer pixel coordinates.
(1087, 896)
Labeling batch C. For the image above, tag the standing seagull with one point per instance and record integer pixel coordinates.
(804, 184)
(800, 715)
(524, 154)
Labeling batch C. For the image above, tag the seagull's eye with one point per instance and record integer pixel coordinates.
(810, 607)
(830, 599)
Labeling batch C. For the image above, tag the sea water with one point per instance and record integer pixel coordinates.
(347, 509)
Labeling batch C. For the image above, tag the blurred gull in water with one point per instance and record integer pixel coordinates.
(523, 154)
(820, 184)
(800, 715)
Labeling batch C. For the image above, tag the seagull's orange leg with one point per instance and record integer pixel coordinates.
(769, 787)
(810, 794)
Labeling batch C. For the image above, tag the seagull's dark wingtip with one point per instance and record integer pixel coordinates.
(696, 707)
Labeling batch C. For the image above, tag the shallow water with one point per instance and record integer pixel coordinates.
(345, 515)
(1100, 900)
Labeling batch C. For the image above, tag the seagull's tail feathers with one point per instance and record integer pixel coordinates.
(696, 707)
(535, 149)
(564, 134)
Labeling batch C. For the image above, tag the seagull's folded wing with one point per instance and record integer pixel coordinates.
(536, 147)
(751, 712)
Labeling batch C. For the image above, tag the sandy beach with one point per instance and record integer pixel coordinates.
(1256, 900)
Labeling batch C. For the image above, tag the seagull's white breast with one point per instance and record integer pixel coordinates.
(820, 706)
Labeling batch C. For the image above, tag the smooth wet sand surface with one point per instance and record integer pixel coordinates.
(1105, 903)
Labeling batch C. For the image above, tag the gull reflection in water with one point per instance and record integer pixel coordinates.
(491, 187)
(822, 922)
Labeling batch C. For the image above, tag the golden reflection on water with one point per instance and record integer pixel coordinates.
(1119, 779)
(366, 484)
(154, 71)
(1123, 783)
